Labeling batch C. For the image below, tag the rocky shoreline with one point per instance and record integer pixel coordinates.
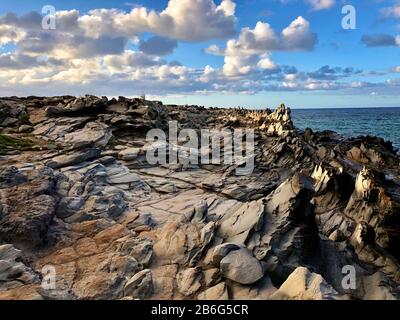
(78, 198)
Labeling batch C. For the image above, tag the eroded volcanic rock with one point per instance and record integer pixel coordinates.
(79, 196)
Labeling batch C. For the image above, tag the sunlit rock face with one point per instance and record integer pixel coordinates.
(78, 196)
(278, 123)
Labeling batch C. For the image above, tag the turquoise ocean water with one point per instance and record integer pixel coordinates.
(382, 122)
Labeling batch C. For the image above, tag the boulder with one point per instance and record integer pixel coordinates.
(240, 266)
(222, 250)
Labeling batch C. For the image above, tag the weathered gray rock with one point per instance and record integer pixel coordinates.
(68, 206)
(93, 134)
(10, 267)
(99, 206)
(236, 226)
(261, 290)
(27, 210)
(189, 281)
(25, 128)
(378, 287)
(222, 250)
(9, 122)
(218, 292)
(13, 271)
(81, 105)
(211, 277)
(184, 241)
(200, 230)
(370, 204)
(123, 178)
(11, 176)
(305, 285)
(140, 285)
(73, 158)
(279, 122)
(240, 266)
(140, 249)
(129, 154)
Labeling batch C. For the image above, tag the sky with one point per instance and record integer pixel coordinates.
(226, 53)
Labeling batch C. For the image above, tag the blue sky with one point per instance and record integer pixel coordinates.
(253, 53)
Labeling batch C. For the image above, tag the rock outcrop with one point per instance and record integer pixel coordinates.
(305, 285)
(84, 211)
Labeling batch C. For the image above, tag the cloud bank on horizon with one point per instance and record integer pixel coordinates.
(204, 48)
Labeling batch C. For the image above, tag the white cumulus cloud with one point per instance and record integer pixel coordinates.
(391, 12)
(187, 20)
(321, 4)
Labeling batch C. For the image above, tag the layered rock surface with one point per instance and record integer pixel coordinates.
(83, 210)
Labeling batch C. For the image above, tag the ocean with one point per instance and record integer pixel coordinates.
(382, 122)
